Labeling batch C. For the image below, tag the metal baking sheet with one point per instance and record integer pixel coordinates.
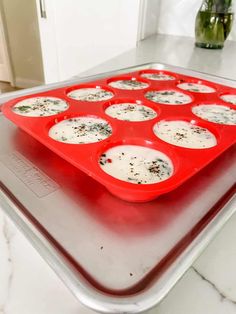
(115, 256)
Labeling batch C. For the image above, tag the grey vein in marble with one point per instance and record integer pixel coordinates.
(219, 292)
(7, 238)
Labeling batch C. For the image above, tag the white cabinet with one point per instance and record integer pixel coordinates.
(79, 34)
(53, 40)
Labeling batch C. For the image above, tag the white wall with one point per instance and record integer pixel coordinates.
(24, 43)
(177, 17)
(79, 34)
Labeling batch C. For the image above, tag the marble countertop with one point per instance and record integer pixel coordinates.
(177, 51)
(28, 285)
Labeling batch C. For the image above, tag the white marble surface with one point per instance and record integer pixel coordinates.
(29, 286)
(177, 51)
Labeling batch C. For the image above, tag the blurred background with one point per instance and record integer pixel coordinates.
(44, 41)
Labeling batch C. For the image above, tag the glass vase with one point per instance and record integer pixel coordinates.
(213, 23)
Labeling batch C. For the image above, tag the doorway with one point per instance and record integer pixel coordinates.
(5, 66)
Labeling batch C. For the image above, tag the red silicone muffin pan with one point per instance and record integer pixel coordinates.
(139, 88)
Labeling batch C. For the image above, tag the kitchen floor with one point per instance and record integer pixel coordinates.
(6, 87)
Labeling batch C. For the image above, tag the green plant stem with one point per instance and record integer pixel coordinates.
(218, 6)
